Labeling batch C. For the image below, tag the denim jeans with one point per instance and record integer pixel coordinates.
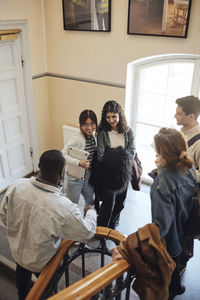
(75, 187)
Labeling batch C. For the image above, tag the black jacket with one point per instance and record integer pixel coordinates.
(113, 172)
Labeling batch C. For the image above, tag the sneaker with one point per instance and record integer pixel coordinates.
(77, 243)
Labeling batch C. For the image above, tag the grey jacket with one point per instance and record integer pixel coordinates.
(103, 142)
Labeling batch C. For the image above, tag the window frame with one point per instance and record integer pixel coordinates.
(133, 78)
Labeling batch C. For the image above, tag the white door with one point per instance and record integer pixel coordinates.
(15, 158)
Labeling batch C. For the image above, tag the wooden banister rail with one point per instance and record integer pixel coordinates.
(93, 283)
(49, 270)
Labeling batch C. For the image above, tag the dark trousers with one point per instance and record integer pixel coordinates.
(175, 285)
(188, 251)
(112, 205)
(23, 281)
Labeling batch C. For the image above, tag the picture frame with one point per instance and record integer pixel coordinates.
(87, 15)
(168, 18)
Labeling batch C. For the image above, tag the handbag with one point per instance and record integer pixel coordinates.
(192, 225)
(136, 173)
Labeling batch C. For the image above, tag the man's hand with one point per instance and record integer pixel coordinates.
(87, 208)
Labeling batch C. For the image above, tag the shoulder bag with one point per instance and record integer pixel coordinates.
(136, 174)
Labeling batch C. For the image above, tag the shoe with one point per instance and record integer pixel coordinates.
(77, 243)
(114, 224)
(172, 295)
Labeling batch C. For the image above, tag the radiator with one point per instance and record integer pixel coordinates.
(68, 132)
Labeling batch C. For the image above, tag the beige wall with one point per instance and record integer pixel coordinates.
(104, 56)
(89, 55)
(99, 56)
(68, 98)
(43, 114)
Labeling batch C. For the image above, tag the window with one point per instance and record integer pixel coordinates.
(153, 84)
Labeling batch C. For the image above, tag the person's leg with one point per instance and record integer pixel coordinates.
(73, 189)
(187, 253)
(105, 211)
(97, 200)
(88, 191)
(175, 287)
(23, 281)
(118, 206)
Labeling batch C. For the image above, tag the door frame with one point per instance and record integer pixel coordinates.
(28, 88)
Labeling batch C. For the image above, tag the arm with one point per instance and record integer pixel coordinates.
(131, 143)
(72, 225)
(3, 210)
(101, 145)
(76, 143)
(197, 158)
(162, 210)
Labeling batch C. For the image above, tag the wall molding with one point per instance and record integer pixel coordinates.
(39, 75)
(112, 84)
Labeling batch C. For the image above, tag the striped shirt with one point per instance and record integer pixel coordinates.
(90, 146)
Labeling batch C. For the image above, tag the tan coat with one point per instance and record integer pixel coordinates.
(153, 265)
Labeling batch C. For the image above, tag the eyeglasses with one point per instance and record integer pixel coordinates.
(86, 125)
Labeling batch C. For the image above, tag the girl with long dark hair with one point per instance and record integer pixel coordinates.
(113, 133)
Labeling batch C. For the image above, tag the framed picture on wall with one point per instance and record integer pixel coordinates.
(159, 17)
(87, 15)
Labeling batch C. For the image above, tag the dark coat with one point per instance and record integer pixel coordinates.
(113, 173)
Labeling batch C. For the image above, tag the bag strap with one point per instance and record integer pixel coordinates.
(193, 140)
(197, 184)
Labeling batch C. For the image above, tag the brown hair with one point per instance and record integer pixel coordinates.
(190, 105)
(171, 144)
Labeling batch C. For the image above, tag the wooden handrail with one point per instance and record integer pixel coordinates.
(48, 271)
(110, 234)
(93, 283)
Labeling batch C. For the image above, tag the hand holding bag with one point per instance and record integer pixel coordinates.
(136, 174)
(192, 226)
